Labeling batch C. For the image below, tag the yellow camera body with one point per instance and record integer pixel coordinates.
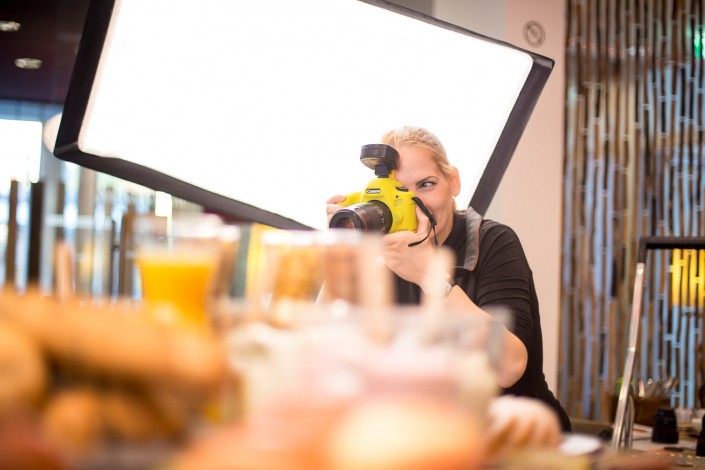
(385, 205)
(392, 194)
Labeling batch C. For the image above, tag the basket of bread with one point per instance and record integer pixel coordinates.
(91, 384)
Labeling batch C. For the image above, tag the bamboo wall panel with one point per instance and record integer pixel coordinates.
(633, 167)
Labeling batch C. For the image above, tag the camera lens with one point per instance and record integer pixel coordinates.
(372, 216)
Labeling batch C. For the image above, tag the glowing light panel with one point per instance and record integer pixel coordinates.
(268, 102)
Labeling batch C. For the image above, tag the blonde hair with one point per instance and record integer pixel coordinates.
(420, 137)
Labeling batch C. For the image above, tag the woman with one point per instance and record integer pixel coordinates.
(491, 268)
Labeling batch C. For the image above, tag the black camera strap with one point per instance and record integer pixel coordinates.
(431, 219)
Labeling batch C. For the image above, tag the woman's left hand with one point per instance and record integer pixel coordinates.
(517, 423)
(410, 263)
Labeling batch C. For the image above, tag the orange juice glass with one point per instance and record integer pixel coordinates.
(176, 283)
(178, 268)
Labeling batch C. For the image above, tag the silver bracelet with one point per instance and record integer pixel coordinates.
(439, 288)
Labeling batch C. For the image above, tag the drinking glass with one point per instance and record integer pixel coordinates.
(345, 377)
(184, 264)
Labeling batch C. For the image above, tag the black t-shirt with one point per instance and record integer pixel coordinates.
(492, 269)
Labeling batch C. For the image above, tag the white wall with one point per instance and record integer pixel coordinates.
(530, 195)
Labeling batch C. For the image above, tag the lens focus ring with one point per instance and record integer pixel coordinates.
(372, 216)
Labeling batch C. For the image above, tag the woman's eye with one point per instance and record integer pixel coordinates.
(427, 184)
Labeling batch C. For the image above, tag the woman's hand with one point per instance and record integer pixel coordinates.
(410, 263)
(333, 206)
(517, 423)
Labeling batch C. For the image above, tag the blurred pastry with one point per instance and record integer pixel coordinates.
(72, 421)
(23, 446)
(132, 416)
(23, 375)
(405, 433)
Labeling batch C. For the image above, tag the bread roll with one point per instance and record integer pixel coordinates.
(286, 438)
(24, 447)
(117, 340)
(136, 416)
(72, 420)
(23, 375)
(405, 433)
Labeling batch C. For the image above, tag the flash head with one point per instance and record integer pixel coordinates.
(381, 158)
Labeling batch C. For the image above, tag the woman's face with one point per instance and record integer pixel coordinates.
(420, 174)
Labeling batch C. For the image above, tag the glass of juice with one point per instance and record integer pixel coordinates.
(184, 263)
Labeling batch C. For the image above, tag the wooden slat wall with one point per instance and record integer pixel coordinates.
(633, 167)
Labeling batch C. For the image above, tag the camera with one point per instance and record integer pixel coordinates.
(385, 205)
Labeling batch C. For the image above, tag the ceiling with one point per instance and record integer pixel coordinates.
(50, 31)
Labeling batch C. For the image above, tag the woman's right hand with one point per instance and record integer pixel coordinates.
(411, 263)
(333, 206)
